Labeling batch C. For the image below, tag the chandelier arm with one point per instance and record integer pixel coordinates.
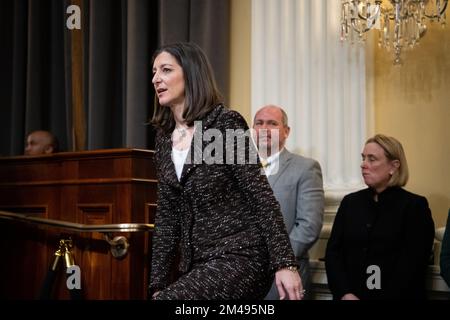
(392, 15)
(370, 18)
(353, 24)
(360, 16)
(440, 13)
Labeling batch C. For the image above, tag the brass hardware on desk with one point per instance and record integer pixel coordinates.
(63, 251)
(68, 258)
(58, 254)
(119, 244)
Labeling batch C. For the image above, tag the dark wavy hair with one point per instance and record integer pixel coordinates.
(201, 92)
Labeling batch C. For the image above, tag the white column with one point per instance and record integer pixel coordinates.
(299, 63)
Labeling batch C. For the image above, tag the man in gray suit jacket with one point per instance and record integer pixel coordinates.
(297, 184)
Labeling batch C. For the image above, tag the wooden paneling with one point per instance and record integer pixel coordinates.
(91, 187)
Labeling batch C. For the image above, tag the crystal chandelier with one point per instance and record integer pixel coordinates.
(401, 23)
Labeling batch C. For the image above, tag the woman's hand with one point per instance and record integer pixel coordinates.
(155, 294)
(349, 296)
(289, 284)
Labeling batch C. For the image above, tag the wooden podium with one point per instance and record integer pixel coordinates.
(92, 187)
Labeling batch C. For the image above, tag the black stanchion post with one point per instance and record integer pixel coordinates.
(47, 287)
(46, 290)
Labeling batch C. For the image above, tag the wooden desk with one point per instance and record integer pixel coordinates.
(91, 187)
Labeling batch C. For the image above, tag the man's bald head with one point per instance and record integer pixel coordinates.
(40, 142)
(269, 120)
(274, 109)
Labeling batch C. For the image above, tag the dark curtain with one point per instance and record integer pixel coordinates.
(118, 39)
(32, 78)
(6, 67)
(205, 22)
(121, 39)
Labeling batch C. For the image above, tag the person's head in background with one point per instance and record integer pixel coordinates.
(271, 129)
(40, 142)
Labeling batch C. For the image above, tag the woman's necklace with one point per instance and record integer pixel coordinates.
(179, 135)
(182, 132)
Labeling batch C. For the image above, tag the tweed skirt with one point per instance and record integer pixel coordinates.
(228, 277)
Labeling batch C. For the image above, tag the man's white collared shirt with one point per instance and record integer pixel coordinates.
(272, 164)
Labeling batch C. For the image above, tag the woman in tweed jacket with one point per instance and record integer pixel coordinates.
(214, 205)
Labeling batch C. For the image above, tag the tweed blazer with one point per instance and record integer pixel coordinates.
(215, 209)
